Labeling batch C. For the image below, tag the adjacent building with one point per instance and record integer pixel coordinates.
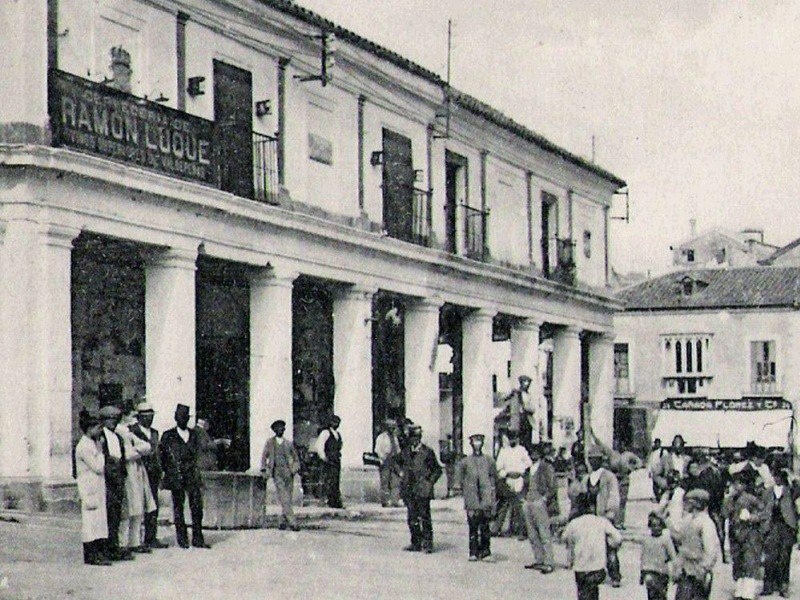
(711, 354)
(243, 207)
(719, 248)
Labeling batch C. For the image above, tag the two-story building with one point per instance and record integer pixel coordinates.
(709, 354)
(240, 206)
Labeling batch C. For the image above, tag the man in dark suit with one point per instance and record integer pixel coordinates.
(280, 462)
(143, 429)
(780, 529)
(178, 451)
(115, 473)
(329, 448)
(421, 471)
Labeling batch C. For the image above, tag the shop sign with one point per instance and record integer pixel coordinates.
(730, 404)
(95, 118)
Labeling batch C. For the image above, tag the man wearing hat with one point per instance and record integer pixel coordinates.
(329, 448)
(421, 471)
(476, 476)
(602, 489)
(280, 461)
(699, 549)
(143, 429)
(387, 447)
(179, 451)
(519, 406)
(115, 474)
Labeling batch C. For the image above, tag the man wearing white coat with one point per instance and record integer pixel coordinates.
(90, 470)
(137, 487)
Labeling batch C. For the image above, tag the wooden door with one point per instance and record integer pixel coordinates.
(398, 186)
(233, 117)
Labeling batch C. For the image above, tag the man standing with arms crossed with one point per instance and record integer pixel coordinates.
(143, 430)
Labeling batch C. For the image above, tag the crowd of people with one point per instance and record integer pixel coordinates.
(703, 499)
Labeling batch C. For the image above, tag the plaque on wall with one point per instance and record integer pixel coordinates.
(320, 149)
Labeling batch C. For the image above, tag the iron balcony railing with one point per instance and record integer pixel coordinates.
(265, 168)
(421, 218)
(475, 223)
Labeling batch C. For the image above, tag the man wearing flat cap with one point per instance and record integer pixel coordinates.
(143, 429)
(179, 451)
(280, 461)
(476, 477)
(421, 471)
(518, 409)
(115, 474)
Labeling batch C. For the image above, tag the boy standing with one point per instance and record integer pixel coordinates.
(658, 555)
(476, 475)
(586, 537)
(699, 549)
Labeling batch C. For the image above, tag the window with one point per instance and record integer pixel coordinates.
(689, 255)
(763, 373)
(686, 363)
(587, 244)
(622, 369)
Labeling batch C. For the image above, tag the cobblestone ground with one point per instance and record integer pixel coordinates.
(332, 558)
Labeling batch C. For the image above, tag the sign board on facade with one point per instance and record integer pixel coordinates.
(730, 404)
(95, 118)
(320, 149)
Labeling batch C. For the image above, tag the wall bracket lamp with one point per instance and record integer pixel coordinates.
(196, 86)
(263, 108)
(376, 158)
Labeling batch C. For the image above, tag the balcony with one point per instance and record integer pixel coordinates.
(765, 386)
(407, 214)
(475, 224)
(265, 168)
(94, 118)
(421, 218)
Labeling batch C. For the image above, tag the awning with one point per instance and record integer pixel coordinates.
(725, 428)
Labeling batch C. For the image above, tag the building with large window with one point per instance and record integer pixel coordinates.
(242, 207)
(710, 354)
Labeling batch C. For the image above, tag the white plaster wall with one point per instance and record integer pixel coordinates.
(332, 114)
(589, 216)
(88, 29)
(203, 46)
(507, 199)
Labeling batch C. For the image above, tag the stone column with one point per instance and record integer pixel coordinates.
(36, 420)
(421, 378)
(525, 361)
(352, 370)
(477, 376)
(566, 385)
(170, 333)
(601, 386)
(270, 356)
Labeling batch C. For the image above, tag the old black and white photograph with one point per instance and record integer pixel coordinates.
(399, 299)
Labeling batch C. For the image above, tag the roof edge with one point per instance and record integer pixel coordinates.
(463, 99)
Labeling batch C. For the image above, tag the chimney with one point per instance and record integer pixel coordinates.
(692, 228)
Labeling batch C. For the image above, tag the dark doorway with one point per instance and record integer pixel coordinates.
(549, 228)
(455, 192)
(388, 359)
(585, 391)
(223, 357)
(398, 186)
(233, 119)
(630, 430)
(312, 363)
(451, 319)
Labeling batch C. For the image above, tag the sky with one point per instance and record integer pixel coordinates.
(696, 104)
